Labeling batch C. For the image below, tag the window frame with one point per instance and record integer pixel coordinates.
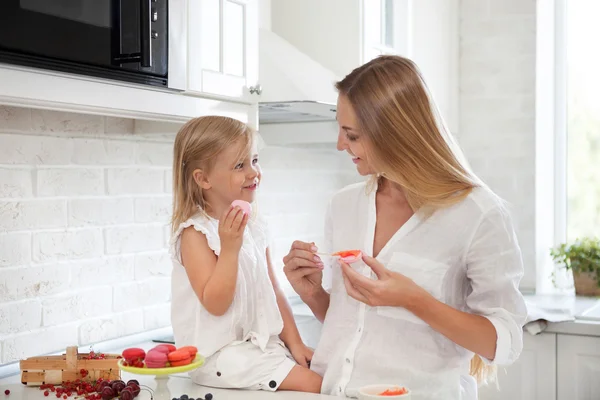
(551, 145)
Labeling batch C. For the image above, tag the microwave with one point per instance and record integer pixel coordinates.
(122, 40)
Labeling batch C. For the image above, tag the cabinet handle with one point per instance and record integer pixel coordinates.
(255, 89)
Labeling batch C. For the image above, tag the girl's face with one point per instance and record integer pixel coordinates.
(350, 138)
(232, 177)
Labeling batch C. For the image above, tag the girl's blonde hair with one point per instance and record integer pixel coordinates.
(197, 145)
(409, 144)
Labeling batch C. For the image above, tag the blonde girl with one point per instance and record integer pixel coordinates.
(225, 298)
(434, 304)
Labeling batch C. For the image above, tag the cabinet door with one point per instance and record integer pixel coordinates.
(532, 376)
(223, 48)
(578, 367)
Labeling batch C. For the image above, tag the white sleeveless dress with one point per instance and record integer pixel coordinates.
(242, 347)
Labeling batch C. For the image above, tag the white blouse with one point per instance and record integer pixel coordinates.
(466, 256)
(253, 314)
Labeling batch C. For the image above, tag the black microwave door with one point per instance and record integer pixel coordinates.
(100, 34)
(140, 34)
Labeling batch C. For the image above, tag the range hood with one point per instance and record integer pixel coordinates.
(295, 88)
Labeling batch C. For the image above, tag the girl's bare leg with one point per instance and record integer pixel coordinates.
(301, 379)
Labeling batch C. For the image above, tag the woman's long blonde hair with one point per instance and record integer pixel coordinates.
(409, 144)
(197, 145)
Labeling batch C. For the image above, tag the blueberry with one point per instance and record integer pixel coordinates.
(208, 396)
(184, 397)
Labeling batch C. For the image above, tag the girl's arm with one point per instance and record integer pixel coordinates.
(289, 334)
(214, 278)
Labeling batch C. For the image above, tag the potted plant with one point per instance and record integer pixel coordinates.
(582, 257)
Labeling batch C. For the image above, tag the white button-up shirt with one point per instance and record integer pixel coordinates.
(465, 255)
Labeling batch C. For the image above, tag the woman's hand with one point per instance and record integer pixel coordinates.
(304, 269)
(390, 289)
(302, 354)
(231, 229)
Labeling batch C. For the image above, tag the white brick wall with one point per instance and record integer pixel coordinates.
(83, 209)
(84, 206)
(297, 184)
(497, 106)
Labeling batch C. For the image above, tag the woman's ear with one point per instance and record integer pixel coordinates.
(201, 179)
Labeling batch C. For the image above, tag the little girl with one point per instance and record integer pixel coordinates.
(225, 297)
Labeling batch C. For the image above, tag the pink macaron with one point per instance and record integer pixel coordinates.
(244, 205)
(156, 359)
(162, 348)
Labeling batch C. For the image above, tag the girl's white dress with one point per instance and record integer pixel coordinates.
(242, 347)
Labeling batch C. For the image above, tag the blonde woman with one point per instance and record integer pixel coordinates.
(434, 304)
(226, 300)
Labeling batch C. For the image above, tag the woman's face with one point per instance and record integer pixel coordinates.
(350, 139)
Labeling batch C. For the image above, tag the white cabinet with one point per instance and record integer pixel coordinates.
(223, 49)
(578, 367)
(532, 377)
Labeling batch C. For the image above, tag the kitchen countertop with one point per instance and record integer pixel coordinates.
(179, 384)
(582, 314)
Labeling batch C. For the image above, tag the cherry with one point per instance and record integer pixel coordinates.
(7, 392)
(126, 394)
(107, 393)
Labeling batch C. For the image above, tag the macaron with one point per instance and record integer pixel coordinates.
(191, 349)
(156, 359)
(133, 355)
(244, 205)
(348, 256)
(163, 348)
(179, 358)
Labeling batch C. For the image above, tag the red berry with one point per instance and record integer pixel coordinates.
(7, 392)
(46, 393)
(65, 396)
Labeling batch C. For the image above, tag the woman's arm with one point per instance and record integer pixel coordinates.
(493, 327)
(473, 332)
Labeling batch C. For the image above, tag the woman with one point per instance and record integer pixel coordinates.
(438, 301)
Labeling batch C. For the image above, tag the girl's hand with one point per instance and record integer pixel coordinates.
(390, 289)
(304, 269)
(231, 229)
(302, 354)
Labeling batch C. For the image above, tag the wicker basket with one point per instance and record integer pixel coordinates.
(36, 371)
(586, 284)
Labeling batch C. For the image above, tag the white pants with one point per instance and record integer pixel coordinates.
(243, 365)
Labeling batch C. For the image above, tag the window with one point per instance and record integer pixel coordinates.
(385, 27)
(583, 119)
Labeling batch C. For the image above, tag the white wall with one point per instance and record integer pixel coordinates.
(329, 31)
(497, 106)
(84, 207)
